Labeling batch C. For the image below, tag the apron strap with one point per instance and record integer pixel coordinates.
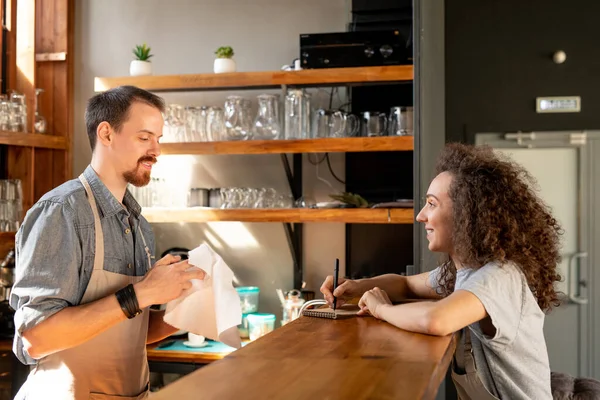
(468, 353)
(99, 256)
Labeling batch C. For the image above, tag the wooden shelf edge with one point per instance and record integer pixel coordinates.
(298, 215)
(261, 79)
(325, 145)
(33, 140)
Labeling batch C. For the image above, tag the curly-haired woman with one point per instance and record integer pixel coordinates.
(502, 248)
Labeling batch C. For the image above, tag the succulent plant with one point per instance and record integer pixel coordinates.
(351, 199)
(224, 52)
(142, 52)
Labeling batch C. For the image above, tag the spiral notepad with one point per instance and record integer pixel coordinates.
(345, 311)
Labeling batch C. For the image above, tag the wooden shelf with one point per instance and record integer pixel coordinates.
(328, 145)
(33, 140)
(348, 215)
(261, 79)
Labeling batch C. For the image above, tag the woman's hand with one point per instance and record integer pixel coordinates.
(373, 301)
(347, 289)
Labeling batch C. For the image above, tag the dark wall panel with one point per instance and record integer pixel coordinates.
(377, 249)
(499, 59)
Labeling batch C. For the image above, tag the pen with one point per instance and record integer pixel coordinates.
(336, 272)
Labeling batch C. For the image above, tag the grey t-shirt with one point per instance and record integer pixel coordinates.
(514, 363)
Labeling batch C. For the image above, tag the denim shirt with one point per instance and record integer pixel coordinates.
(55, 249)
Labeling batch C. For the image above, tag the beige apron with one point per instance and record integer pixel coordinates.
(468, 385)
(112, 365)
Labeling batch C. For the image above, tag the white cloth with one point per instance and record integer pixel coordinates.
(211, 307)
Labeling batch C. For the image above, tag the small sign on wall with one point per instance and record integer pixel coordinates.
(568, 104)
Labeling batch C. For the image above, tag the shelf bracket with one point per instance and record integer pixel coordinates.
(294, 232)
(294, 177)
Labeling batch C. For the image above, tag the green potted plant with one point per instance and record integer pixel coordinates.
(224, 61)
(141, 64)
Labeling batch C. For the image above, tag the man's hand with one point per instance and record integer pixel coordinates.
(165, 281)
(372, 302)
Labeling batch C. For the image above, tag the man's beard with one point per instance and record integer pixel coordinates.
(136, 178)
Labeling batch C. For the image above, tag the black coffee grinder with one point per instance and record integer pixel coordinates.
(7, 279)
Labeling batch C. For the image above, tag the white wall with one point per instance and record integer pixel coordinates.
(183, 35)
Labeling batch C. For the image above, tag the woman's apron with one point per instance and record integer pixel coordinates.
(112, 365)
(468, 385)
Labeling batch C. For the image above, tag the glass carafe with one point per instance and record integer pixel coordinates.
(267, 125)
(238, 122)
(297, 114)
(39, 124)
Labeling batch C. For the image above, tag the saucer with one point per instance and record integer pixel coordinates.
(195, 345)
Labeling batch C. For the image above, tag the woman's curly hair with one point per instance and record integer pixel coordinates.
(498, 217)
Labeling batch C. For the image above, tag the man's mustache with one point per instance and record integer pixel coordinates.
(147, 159)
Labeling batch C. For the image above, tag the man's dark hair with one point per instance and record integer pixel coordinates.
(113, 107)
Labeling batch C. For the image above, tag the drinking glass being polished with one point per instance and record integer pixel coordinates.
(297, 114)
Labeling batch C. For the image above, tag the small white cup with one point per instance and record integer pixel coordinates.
(195, 339)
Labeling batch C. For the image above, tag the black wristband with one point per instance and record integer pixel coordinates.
(133, 299)
(121, 298)
(128, 301)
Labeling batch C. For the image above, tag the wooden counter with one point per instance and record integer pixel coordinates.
(313, 358)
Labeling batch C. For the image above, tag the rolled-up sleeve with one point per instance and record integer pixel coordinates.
(48, 266)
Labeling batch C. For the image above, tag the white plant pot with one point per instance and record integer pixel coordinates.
(223, 65)
(140, 68)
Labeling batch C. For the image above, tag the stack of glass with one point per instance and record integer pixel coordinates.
(11, 197)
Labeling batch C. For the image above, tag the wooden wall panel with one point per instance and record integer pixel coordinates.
(11, 45)
(54, 34)
(20, 162)
(44, 43)
(21, 159)
(62, 124)
(37, 27)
